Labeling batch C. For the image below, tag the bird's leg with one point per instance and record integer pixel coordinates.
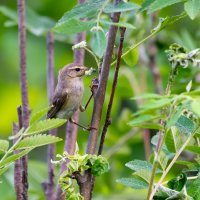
(85, 128)
(83, 108)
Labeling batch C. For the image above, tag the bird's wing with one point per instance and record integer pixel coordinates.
(58, 102)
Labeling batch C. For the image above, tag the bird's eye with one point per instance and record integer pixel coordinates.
(77, 69)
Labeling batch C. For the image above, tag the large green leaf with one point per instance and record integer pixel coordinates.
(4, 144)
(14, 157)
(139, 165)
(38, 25)
(99, 42)
(45, 125)
(160, 4)
(131, 59)
(185, 125)
(36, 141)
(121, 7)
(133, 183)
(193, 149)
(143, 174)
(173, 140)
(37, 115)
(192, 7)
(194, 188)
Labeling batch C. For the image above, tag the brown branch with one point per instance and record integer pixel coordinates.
(24, 87)
(114, 84)
(18, 165)
(48, 186)
(71, 129)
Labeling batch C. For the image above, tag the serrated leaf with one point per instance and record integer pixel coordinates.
(14, 157)
(142, 119)
(139, 165)
(36, 141)
(38, 25)
(99, 42)
(143, 174)
(185, 125)
(37, 115)
(160, 4)
(173, 140)
(193, 149)
(192, 7)
(4, 144)
(133, 183)
(132, 58)
(73, 26)
(121, 7)
(194, 188)
(45, 125)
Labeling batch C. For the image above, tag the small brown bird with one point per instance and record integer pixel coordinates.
(68, 93)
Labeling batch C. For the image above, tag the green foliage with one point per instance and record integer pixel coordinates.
(4, 144)
(36, 141)
(194, 188)
(78, 165)
(37, 25)
(178, 183)
(192, 8)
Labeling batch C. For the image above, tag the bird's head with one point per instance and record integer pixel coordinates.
(72, 71)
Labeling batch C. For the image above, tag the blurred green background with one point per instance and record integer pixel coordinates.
(122, 142)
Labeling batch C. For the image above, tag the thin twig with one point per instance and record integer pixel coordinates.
(24, 87)
(114, 84)
(49, 185)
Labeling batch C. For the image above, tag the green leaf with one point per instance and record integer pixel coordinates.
(163, 160)
(194, 188)
(121, 7)
(148, 96)
(73, 26)
(142, 119)
(36, 141)
(99, 42)
(119, 24)
(139, 165)
(193, 149)
(131, 59)
(37, 115)
(155, 126)
(14, 157)
(185, 125)
(37, 25)
(173, 140)
(146, 5)
(196, 107)
(143, 174)
(160, 4)
(3, 170)
(45, 125)
(4, 144)
(192, 7)
(178, 183)
(133, 183)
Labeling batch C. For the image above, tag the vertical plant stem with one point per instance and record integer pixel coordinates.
(24, 87)
(99, 96)
(71, 129)
(48, 186)
(108, 120)
(18, 164)
(161, 133)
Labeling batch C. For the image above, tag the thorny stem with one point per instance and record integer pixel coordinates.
(48, 186)
(161, 133)
(24, 88)
(108, 120)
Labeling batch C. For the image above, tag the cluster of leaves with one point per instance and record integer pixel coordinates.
(28, 139)
(176, 117)
(78, 165)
